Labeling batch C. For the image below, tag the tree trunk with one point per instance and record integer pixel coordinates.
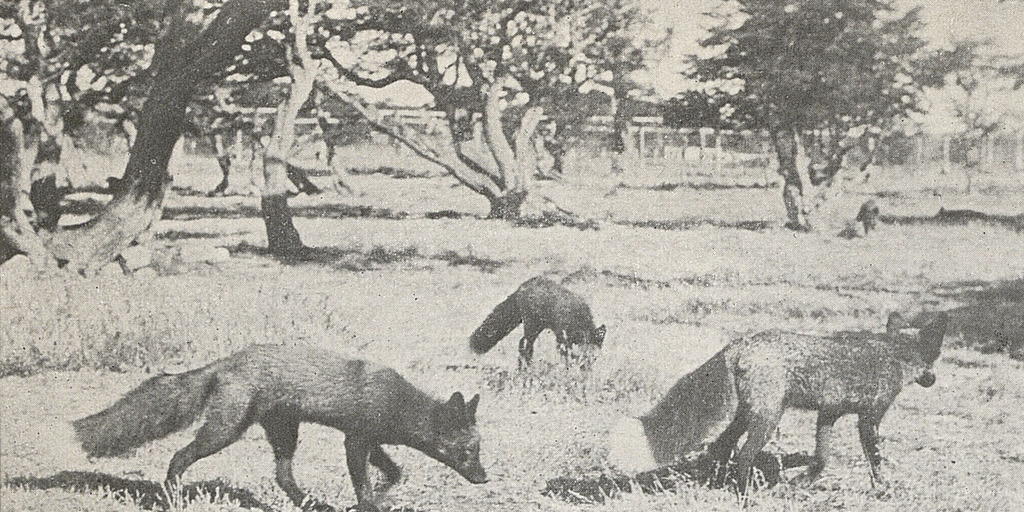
(508, 205)
(282, 237)
(186, 56)
(17, 235)
(786, 149)
(46, 131)
(486, 163)
(223, 161)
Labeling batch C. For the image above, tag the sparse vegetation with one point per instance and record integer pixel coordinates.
(407, 290)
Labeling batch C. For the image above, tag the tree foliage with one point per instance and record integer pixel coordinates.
(821, 74)
(493, 68)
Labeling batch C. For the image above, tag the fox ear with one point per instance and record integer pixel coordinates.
(471, 406)
(931, 336)
(895, 323)
(456, 402)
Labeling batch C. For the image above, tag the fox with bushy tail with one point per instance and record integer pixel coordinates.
(279, 388)
(747, 386)
(540, 303)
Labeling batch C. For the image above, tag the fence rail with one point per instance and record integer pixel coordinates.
(650, 142)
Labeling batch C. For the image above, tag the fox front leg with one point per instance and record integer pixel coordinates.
(564, 346)
(283, 436)
(357, 451)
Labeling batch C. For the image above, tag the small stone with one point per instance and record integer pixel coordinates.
(17, 268)
(111, 270)
(136, 257)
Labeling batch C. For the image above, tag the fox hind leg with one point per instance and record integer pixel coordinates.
(392, 473)
(822, 443)
(283, 435)
(761, 426)
(357, 452)
(227, 418)
(530, 332)
(867, 426)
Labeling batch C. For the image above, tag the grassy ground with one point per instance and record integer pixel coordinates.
(407, 291)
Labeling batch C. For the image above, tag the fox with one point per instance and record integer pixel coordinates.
(280, 387)
(748, 385)
(540, 303)
(868, 215)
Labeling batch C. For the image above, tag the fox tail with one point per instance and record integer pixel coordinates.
(497, 325)
(158, 407)
(694, 411)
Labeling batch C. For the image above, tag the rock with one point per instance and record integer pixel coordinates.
(17, 268)
(219, 255)
(201, 253)
(111, 270)
(145, 273)
(136, 257)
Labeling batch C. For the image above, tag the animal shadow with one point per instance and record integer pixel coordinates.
(146, 494)
(153, 496)
(702, 471)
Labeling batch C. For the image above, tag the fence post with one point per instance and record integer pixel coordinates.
(919, 146)
(641, 147)
(990, 152)
(1018, 154)
(945, 154)
(718, 151)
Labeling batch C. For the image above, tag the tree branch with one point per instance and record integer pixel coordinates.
(494, 134)
(471, 180)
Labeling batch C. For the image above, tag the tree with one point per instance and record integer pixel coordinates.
(820, 76)
(977, 98)
(194, 44)
(494, 68)
(60, 60)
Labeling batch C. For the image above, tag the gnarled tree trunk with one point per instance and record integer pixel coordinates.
(786, 149)
(17, 236)
(188, 53)
(810, 183)
(485, 163)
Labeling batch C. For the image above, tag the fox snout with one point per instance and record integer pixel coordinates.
(474, 472)
(927, 379)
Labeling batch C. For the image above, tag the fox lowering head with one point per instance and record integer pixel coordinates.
(585, 343)
(453, 438)
(925, 346)
(868, 215)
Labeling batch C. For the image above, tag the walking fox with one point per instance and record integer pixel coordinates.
(280, 387)
(540, 303)
(754, 379)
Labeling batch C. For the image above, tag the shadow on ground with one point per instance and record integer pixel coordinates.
(958, 218)
(357, 260)
(148, 495)
(152, 496)
(702, 471)
(991, 319)
(240, 211)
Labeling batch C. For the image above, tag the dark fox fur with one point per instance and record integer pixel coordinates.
(754, 379)
(279, 388)
(540, 303)
(868, 215)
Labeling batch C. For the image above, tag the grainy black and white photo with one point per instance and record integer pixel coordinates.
(506, 255)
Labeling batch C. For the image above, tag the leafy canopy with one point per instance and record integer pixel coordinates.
(813, 64)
